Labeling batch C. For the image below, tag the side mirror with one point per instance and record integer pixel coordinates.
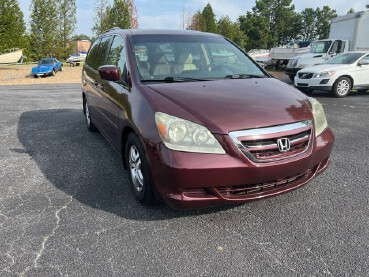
(109, 73)
(365, 62)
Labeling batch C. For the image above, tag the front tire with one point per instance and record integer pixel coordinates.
(138, 170)
(90, 126)
(342, 87)
(292, 78)
(53, 73)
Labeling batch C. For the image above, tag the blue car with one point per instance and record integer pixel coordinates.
(46, 67)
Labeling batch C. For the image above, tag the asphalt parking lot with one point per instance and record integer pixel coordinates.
(66, 208)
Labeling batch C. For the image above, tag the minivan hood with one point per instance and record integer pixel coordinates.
(233, 104)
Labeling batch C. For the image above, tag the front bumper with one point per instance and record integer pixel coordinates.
(41, 73)
(314, 83)
(192, 181)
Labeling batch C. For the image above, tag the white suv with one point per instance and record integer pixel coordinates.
(340, 74)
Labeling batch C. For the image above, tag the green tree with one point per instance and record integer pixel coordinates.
(44, 28)
(102, 18)
(231, 30)
(351, 11)
(80, 37)
(324, 18)
(119, 15)
(207, 20)
(12, 26)
(66, 25)
(256, 31)
(280, 15)
(308, 23)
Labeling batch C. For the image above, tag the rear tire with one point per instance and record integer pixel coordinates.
(90, 126)
(342, 87)
(138, 170)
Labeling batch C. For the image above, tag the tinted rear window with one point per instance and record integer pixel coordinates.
(93, 53)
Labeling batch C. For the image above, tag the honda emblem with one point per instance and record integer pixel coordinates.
(283, 144)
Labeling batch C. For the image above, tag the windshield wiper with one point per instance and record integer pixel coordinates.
(171, 79)
(243, 76)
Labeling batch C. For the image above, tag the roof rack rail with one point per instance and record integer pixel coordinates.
(111, 29)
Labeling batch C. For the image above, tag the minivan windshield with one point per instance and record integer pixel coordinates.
(171, 58)
(320, 46)
(346, 58)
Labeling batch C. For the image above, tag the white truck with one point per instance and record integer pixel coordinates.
(348, 33)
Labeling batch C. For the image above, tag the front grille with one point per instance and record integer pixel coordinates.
(305, 75)
(241, 191)
(261, 144)
(268, 149)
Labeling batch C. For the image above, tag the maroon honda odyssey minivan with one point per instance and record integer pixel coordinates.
(197, 122)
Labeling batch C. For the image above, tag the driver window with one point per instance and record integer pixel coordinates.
(117, 55)
(334, 47)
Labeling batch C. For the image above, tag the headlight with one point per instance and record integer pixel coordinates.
(320, 121)
(324, 74)
(183, 135)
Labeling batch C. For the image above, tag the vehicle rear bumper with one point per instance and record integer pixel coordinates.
(193, 181)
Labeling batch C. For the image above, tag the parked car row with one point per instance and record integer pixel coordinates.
(340, 74)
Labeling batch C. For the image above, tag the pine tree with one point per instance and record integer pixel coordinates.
(207, 20)
(12, 26)
(44, 28)
(66, 26)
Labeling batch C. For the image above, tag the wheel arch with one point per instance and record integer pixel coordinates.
(125, 133)
(347, 76)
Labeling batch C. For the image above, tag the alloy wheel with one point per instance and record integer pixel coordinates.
(135, 168)
(87, 114)
(343, 87)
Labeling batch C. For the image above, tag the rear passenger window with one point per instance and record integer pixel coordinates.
(117, 56)
(101, 54)
(93, 53)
